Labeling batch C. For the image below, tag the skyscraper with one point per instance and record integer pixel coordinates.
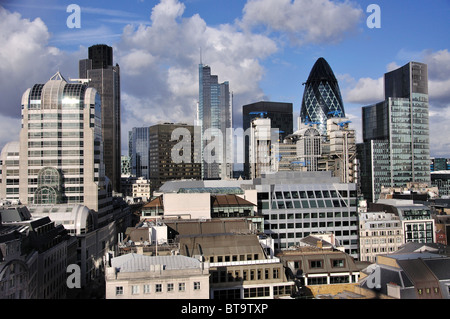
(61, 149)
(215, 117)
(395, 149)
(105, 78)
(280, 115)
(140, 151)
(322, 97)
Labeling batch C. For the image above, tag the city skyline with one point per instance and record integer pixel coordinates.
(264, 56)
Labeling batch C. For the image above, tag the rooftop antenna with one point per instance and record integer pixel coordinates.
(201, 62)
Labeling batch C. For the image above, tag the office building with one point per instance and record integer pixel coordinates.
(294, 205)
(416, 221)
(173, 153)
(395, 148)
(135, 276)
(105, 78)
(61, 149)
(281, 118)
(379, 233)
(139, 145)
(9, 174)
(322, 97)
(215, 120)
(262, 148)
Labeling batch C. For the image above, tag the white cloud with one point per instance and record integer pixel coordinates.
(26, 58)
(304, 21)
(159, 65)
(365, 91)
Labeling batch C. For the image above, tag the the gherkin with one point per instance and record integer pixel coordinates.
(322, 97)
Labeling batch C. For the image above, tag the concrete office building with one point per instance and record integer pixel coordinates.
(173, 153)
(105, 78)
(296, 204)
(395, 148)
(215, 120)
(61, 149)
(262, 148)
(281, 118)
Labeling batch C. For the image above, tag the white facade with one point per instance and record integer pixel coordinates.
(188, 206)
(261, 148)
(61, 147)
(379, 233)
(134, 276)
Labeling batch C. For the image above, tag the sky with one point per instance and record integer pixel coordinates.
(265, 49)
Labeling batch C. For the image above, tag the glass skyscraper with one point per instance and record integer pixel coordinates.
(322, 97)
(140, 151)
(396, 148)
(215, 117)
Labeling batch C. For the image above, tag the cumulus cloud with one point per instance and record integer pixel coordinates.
(27, 59)
(159, 65)
(366, 91)
(304, 21)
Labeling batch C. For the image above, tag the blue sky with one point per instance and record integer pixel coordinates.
(264, 48)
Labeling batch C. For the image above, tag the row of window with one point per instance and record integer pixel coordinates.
(157, 288)
(219, 276)
(310, 215)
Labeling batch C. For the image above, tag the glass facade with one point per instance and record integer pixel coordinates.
(396, 147)
(140, 151)
(214, 115)
(322, 97)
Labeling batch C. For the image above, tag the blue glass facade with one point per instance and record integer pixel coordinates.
(214, 115)
(322, 97)
(139, 151)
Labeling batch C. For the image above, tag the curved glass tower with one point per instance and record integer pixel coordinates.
(322, 98)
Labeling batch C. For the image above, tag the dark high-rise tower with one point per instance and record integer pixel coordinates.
(105, 77)
(396, 148)
(322, 97)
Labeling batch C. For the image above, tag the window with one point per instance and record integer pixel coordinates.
(158, 287)
(169, 287)
(316, 264)
(338, 263)
(146, 289)
(119, 291)
(181, 286)
(134, 289)
(196, 285)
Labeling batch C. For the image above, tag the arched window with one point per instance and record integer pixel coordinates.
(47, 195)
